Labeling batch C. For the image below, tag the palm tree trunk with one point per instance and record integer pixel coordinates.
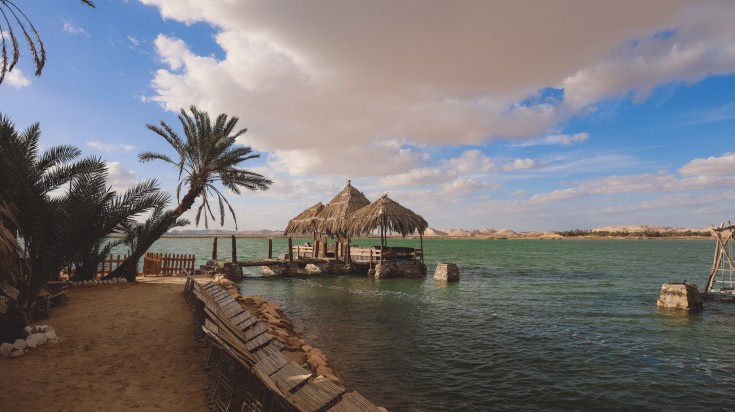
(128, 269)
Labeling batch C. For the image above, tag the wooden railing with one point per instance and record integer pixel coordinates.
(109, 264)
(167, 264)
(302, 251)
(366, 254)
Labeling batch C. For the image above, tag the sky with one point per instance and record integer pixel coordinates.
(529, 115)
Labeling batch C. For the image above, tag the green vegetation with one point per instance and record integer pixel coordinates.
(207, 154)
(646, 233)
(55, 210)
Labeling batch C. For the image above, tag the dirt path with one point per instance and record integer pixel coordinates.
(122, 346)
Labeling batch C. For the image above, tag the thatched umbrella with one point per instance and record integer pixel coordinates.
(306, 222)
(389, 216)
(335, 213)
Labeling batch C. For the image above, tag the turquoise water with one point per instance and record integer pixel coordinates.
(532, 325)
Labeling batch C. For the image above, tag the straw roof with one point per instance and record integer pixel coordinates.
(335, 213)
(306, 222)
(389, 214)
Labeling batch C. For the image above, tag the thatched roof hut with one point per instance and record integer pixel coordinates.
(387, 215)
(306, 222)
(335, 213)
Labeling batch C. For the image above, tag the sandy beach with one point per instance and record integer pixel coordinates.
(121, 346)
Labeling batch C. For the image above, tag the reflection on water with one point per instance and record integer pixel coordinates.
(531, 325)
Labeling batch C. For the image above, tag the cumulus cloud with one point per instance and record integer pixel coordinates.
(711, 166)
(317, 82)
(522, 164)
(109, 148)
(417, 177)
(119, 178)
(470, 161)
(17, 79)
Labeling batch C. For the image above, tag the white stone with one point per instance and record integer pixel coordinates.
(680, 296)
(41, 329)
(34, 340)
(43, 338)
(5, 349)
(51, 335)
(16, 353)
(28, 331)
(20, 344)
(312, 268)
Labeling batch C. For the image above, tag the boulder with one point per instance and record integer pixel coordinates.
(446, 272)
(34, 340)
(43, 338)
(51, 336)
(312, 268)
(27, 331)
(680, 296)
(18, 352)
(20, 344)
(5, 349)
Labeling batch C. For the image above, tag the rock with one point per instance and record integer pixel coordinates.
(5, 349)
(41, 329)
(324, 370)
(51, 335)
(312, 268)
(27, 331)
(43, 339)
(16, 353)
(680, 296)
(33, 340)
(306, 348)
(316, 352)
(382, 409)
(447, 272)
(20, 344)
(316, 361)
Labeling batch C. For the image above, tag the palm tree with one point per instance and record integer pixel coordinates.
(207, 155)
(14, 16)
(139, 233)
(56, 222)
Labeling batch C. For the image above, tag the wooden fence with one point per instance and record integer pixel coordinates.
(167, 264)
(109, 264)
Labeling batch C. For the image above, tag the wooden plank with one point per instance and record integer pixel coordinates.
(317, 395)
(268, 365)
(228, 306)
(11, 292)
(247, 323)
(273, 348)
(354, 402)
(233, 311)
(291, 376)
(240, 318)
(256, 330)
(259, 341)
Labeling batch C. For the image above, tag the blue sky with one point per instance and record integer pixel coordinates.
(524, 115)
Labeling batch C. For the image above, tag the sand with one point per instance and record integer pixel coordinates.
(122, 346)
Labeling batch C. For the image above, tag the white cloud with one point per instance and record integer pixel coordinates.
(471, 161)
(16, 78)
(70, 27)
(522, 164)
(119, 178)
(417, 177)
(317, 81)
(110, 148)
(711, 166)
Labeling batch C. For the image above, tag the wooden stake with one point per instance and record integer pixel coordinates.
(214, 249)
(234, 250)
(270, 248)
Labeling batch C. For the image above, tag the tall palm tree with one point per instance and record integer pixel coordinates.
(14, 18)
(207, 155)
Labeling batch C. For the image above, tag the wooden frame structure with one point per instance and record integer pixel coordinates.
(722, 276)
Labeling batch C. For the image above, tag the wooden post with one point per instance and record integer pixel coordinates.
(290, 250)
(421, 238)
(214, 249)
(234, 250)
(270, 248)
(348, 258)
(315, 249)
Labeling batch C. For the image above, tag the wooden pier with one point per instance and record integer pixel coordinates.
(722, 276)
(246, 366)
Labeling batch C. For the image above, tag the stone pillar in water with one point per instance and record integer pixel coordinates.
(680, 296)
(447, 272)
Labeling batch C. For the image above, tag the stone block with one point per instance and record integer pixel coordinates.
(447, 272)
(18, 352)
(312, 268)
(680, 296)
